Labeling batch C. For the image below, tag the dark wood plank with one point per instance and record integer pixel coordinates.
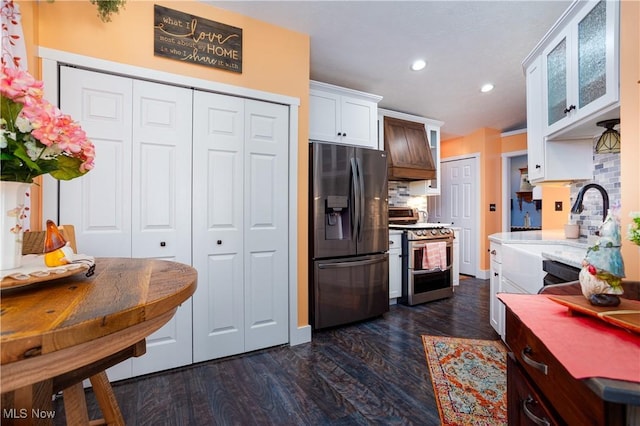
(373, 372)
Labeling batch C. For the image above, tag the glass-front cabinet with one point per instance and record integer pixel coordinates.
(581, 65)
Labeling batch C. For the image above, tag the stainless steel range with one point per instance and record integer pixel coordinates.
(427, 259)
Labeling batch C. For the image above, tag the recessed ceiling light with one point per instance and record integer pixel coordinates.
(486, 88)
(418, 65)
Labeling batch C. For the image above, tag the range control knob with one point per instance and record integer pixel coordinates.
(434, 232)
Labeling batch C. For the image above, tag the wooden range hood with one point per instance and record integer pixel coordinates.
(408, 150)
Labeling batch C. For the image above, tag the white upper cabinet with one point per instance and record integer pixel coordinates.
(580, 69)
(572, 83)
(343, 115)
(547, 159)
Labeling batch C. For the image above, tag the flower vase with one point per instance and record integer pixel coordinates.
(12, 196)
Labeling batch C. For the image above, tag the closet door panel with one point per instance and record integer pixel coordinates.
(98, 204)
(161, 205)
(266, 216)
(161, 194)
(218, 152)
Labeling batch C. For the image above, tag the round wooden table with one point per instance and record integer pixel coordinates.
(57, 333)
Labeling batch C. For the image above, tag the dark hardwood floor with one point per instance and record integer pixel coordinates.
(370, 373)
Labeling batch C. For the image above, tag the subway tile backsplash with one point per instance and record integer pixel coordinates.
(606, 173)
(399, 196)
(398, 193)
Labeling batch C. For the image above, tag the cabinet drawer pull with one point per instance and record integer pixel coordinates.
(537, 420)
(535, 364)
(493, 252)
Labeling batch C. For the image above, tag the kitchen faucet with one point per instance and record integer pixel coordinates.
(578, 207)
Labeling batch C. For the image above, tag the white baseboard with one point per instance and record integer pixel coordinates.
(300, 335)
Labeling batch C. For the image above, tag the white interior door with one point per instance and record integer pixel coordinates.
(265, 236)
(161, 194)
(99, 203)
(240, 225)
(161, 197)
(218, 225)
(457, 204)
(141, 123)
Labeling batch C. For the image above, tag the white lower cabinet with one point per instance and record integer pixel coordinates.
(395, 264)
(495, 306)
(456, 256)
(138, 202)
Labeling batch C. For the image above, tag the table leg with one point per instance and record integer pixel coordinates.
(29, 405)
(106, 399)
(75, 405)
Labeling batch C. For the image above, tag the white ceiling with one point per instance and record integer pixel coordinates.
(369, 45)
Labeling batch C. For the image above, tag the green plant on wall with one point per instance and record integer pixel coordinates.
(107, 7)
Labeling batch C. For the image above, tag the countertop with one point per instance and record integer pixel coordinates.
(557, 247)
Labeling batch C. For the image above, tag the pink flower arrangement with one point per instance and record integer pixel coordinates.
(36, 138)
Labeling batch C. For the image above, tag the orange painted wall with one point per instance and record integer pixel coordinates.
(630, 128)
(275, 60)
(516, 142)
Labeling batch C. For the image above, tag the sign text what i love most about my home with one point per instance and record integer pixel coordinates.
(189, 38)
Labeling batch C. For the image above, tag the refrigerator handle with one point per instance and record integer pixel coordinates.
(355, 216)
(362, 202)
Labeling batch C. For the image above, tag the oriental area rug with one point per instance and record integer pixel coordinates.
(469, 378)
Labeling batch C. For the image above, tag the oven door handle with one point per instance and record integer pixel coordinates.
(428, 271)
(350, 264)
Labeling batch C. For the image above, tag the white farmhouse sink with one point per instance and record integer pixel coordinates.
(522, 265)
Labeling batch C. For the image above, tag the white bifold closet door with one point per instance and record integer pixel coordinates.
(240, 214)
(137, 200)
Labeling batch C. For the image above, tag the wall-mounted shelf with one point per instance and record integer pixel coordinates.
(526, 196)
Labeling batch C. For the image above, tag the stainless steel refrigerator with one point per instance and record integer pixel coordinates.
(349, 235)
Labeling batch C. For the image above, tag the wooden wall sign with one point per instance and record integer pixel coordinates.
(189, 38)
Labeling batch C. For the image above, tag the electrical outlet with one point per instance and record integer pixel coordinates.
(558, 206)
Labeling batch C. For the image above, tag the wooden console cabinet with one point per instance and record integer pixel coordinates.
(541, 391)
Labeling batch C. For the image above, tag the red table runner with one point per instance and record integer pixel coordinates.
(586, 347)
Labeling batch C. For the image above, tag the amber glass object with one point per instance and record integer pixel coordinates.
(53, 244)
